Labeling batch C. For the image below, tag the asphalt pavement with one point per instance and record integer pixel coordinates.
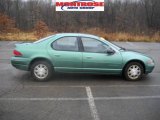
(79, 96)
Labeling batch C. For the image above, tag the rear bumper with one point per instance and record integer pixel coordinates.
(20, 63)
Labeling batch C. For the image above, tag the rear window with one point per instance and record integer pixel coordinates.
(66, 44)
(43, 39)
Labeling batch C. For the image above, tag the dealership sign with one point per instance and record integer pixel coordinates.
(79, 5)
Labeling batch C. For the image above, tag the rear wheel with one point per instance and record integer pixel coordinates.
(41, 71)
(133, 71)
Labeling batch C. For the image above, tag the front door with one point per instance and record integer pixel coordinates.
(96, 59)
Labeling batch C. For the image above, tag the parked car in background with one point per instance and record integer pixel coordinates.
(79, 53)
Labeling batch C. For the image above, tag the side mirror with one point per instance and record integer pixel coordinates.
(110, 51)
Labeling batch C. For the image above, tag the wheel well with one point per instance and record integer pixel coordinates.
(134, 61)
(39, 59)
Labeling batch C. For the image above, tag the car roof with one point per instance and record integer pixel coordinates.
(77, 34)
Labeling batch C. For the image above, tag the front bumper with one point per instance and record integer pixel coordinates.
(20, 63)
(149, 69)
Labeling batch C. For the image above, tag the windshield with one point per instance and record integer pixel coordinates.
(112, 44)
(118, 47)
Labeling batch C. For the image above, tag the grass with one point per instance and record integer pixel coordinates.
(131, 37)
(21, 36)
(125, 36)
(30, 36)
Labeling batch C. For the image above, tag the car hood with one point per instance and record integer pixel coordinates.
(135, 52)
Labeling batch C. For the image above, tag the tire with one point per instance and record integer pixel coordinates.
(133, 71)
(41, 71)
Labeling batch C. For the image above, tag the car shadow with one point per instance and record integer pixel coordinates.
(70, 79)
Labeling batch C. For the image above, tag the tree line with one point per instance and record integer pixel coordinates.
(131, 16)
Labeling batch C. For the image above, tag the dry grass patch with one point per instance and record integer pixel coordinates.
(21, 36)
(124, 36)
(18, 36)
(30, 36)
(131, 37)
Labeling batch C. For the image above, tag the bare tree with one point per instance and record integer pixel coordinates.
(119, 16)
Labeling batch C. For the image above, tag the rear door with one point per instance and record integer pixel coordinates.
(66, 55)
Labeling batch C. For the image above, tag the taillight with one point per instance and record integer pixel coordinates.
(17, 53)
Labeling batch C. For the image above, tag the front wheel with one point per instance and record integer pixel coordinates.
(133, 71)
(41, 71)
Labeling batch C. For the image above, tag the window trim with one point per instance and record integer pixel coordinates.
(96, 40)
(81, 48)
(66, 50)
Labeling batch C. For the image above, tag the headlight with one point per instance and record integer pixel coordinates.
(150, 62)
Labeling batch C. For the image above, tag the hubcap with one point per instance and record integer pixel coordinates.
(41, 71)
(134, 72)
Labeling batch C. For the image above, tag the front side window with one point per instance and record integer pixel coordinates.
(95, 46)
(66, 44)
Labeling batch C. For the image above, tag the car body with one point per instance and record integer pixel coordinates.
(79, 53)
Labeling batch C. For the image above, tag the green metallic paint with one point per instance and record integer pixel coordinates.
(102, 62)
(81, 62)
(64, 60)
(20, 63)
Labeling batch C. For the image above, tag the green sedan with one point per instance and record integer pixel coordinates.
(79, 53)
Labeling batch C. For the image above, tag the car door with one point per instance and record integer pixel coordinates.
(65, 55)
(96, 59)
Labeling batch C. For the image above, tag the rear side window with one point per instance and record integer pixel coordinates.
(66, 44)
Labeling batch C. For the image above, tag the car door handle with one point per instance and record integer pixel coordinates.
(57, 55)
(88, 57)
